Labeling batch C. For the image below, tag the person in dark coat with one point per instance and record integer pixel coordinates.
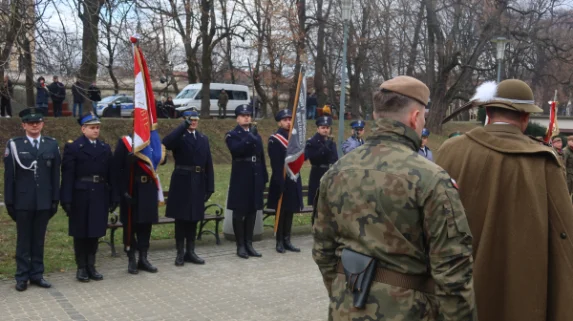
(7, 93)
(142, 201)
(192, 184)
(288, 189)
(320, 150)
(31, 194)
(58, 94)
(248, 178)
(79, 93)
(42, 95)
(87, 193)
(94, 95)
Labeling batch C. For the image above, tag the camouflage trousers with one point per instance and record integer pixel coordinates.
(385, 303)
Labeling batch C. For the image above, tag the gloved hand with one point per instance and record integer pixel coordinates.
(113, 206)
(129, 199)
(67, 208)
(208, 196)
(55, 207)
(254, 130)
(187, 122)
(11, 211)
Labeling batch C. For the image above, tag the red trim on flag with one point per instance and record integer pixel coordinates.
(281, 139)
(296, 165)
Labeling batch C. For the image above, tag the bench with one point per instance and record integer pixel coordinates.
(268, 212)
(216, 216)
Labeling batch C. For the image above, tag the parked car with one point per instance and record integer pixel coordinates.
(191, 96)
(119, 105)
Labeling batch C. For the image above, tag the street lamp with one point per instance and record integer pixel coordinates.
(500, 52)
(346, 10)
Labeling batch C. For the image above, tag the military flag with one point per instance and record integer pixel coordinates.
(553, 128)
(297, 136)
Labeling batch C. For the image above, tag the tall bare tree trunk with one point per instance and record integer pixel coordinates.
(89, 16)
(300, 41)
(29, 71)
(17, 12)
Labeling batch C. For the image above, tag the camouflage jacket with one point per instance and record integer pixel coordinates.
(568, 163)
(386, 201)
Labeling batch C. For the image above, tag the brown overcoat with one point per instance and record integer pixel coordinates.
(520, 215)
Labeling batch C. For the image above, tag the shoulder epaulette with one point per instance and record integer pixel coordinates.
(50, 138)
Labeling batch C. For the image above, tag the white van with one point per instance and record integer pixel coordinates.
(190, 96)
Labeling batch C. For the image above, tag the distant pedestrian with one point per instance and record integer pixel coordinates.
(94, 94)
(79, 93)
(58, 94)
(7, 93)
(424, 149)
(311, 104)
(42, 95)
(222, 103)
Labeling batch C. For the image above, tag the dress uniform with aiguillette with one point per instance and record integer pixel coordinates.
(192, 183)
(87, 196)
(321, 152)
(247, 184)
(143, 201)
(290, 190)
(31, 195)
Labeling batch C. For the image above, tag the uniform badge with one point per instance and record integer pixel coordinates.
(454, 183)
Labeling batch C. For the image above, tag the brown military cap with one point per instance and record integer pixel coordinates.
(511, 94)
(409, 87)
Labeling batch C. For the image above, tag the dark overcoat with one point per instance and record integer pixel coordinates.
(21, 189)
(145, 191)
(321, 153)
(193, 176)
(89, 200)
(248, 172)
(291, 190)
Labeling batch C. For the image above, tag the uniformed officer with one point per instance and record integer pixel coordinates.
(356, 139)
(288, 189)
(248, 178)
(141, 204)
(389, 216)
(424, 149)
(31, 194)
(320, 150)
(86, 193)
(192, 184)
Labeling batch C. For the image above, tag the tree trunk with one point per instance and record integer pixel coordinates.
(17, 12)
(300, 40)
(414, 48)
(29, 71)
(320, 59)
(89, 15)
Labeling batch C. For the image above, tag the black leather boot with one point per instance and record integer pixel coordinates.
(249, 230)
(144, 264)
(190, 255)
(287, 229)
(132, 264)
(92, 272)
(239, 230)
(82, 275)
(81, 260)
(280, 236)
(179, 260)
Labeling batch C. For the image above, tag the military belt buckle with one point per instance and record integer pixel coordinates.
(144, 179)
(197, 169)
(96, 178)
(254, 159)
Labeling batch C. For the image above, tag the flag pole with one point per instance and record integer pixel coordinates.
(297, 95)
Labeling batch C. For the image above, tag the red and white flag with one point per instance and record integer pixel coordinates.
(297, 139)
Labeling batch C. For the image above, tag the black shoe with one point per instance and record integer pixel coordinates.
(239, 230)
(94, 274)
(82, 275)
(21, 286)
(41, 283)
(289, 247)
(132, 264)
(280, 247)
(180, 258)
(251, 251)
(191, 256)
(242, 251)
(144, 264)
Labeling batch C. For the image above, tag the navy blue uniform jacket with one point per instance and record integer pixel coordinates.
(292, 198)
(21, 189)
(248, 173)
(321, 153)
(194, 179)
(89, 200)
(144, 190)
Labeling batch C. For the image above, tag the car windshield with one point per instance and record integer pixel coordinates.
(186, 94)
(108, 99)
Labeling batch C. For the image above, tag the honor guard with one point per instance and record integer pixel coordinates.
(424, 149)
(87, 194)
(289, 190)
(192, 184)
(320, 150)
(356, 139)
(138, 206)
(31, 194)
(248, 178)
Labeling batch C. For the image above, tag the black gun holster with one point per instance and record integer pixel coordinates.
(359, 270)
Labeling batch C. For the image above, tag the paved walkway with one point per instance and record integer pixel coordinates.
(275, 287)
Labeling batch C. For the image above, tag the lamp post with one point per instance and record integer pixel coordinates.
(346, 9)
(500, 52)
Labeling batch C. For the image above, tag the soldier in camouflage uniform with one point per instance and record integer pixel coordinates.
(568, 162)
(386, 201)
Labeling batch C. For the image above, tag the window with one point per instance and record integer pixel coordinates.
(186, 94)
(238, 95)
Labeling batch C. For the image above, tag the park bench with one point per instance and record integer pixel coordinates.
(268, 212)
(216, 216)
